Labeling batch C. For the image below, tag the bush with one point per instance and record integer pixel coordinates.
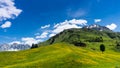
(118, 45)
(34, 46)
(102, 48)
(81, 44)
(97, 39)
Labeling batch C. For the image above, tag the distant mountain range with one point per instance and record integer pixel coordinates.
(14, 47)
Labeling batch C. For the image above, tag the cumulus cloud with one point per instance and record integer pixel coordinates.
(8, 10)
(43, 35)
(64, 26)
(112, 26)
(30, 40)
(51, 35)
(6, 25)
(74, 23)
(97, 20)
(59, 27)
(79, 22)
(46, 26)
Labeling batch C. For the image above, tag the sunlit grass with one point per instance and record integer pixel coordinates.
(60, 55)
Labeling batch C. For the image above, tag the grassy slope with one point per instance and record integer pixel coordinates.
(61, 55)
(82, 35)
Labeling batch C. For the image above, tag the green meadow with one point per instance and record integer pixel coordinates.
(61, 51)
(61, 55)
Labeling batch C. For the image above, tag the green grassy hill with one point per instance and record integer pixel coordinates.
(61, 52)
(83, 35)
(61, 55)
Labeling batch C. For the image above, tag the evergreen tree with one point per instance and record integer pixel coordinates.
(34, 46)
(102, 48)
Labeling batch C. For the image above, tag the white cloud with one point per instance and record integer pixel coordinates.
(112, 26)
(16, 42)
(30, 40)
(8, 10)
(97, 20)
(59, 27)
(43, 35)
(69, 24)
(51, 35)
(6, 25)
(79, 22)
(46, 26)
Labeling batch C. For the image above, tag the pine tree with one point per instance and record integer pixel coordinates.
(102, 48)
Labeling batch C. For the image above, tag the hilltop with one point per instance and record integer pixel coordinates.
(85, 34)
(61, 51)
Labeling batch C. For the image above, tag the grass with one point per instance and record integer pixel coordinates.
(61, 55)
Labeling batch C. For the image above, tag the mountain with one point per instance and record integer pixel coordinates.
(14, 47)
(98, 27)
(85, 34)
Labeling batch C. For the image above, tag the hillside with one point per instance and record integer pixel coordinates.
(85, 34)
(60, 55)
(61, 51)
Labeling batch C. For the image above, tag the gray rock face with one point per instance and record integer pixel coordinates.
(98, 27)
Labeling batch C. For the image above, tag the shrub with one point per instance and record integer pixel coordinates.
(118, 45)
(97, 39)
(34, 46)
(102, 48)
(81, 44)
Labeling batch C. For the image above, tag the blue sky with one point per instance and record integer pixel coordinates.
(35, 20)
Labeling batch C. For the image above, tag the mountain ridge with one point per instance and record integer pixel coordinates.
(97, 27)
(83, 34)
